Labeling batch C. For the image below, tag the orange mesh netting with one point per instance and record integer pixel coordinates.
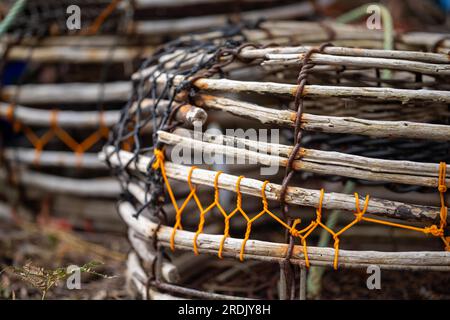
(54, 131)
(303, 234)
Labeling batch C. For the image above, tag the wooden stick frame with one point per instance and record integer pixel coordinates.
(294, 195)
(275, 252)
(316, 161)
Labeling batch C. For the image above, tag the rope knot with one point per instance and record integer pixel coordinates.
(359, 215)
(319, 208)
(336, 240)
(434, 230)
(442, 188)
(319, 218)
(294, 231)
(159, 159)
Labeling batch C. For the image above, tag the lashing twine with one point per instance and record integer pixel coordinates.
(305, 69)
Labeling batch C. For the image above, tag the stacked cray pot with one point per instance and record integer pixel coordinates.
(66, 68)
(358, 137)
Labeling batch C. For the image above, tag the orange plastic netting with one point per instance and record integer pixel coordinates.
(303, 234)
(54, 131)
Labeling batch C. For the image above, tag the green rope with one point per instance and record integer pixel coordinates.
(388, 26)
(11, 16)
(314, 280)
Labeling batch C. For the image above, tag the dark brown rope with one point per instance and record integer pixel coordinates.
(305, 70)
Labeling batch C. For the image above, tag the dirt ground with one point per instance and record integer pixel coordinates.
(50, 249)
(53, 249)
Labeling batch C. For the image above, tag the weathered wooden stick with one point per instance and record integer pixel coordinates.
(67, 93)
(54, 158)
(67, 119)
(158, 27)
(186, 113)
(99, 187)
(169, 271)
(289, 90)
(372, 231)
(296, 32)
(349, 52)
(275, 252)
(141, 4)
(87, 119)
(365, 62)
(136, 275)
(72, 54)
(345, 108)
(379, 191)
(294, 195)
(322, 162)
(301, 32)
(354, 38)
(79, 41)
(345, 31)
(194, 293)
(403, 95)
(376, 111)
(427, 39)
(310, 122)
